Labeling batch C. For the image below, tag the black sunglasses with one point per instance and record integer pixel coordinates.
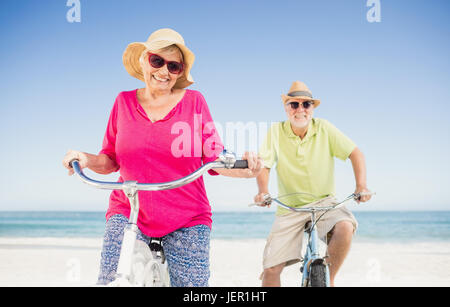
(295, 104)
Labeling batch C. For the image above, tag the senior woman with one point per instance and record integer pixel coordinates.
(141, 141)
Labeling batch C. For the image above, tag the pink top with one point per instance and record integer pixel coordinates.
(162, 151)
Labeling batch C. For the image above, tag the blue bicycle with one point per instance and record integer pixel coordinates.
(315, 271)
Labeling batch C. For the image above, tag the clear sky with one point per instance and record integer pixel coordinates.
(385, 84)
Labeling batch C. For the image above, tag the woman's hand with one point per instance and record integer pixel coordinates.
(72, 155)
(255, 164)
(100, 164)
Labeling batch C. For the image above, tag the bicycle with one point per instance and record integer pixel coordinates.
(141, 264)
(315, 270)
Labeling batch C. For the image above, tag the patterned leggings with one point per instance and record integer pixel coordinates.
(186, 250)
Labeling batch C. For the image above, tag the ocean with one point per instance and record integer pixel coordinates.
(373, 226)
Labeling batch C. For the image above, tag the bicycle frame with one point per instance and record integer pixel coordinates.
(130, 188)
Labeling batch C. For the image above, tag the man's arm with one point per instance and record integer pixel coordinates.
(359, 169)
(262, 180)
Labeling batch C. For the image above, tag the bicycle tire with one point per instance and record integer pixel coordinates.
(318, 275)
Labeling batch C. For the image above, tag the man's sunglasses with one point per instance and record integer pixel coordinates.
(157, 61)
(295, 104)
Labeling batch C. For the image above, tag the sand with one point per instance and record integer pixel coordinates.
(234, 263)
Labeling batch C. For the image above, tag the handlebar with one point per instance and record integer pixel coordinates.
(227, 160)
(313, 208)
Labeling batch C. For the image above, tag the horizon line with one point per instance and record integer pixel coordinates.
(219, 211)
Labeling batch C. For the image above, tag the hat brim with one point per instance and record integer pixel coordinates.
(134, 51)
(285, 98)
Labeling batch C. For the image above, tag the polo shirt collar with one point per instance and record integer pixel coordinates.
(312, 130)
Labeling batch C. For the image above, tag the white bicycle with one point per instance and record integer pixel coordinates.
(141, 264)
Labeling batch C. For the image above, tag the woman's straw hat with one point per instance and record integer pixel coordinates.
(299, 90)
(159, 39)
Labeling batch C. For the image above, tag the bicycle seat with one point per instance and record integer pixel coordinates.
(308, 227)
(155, 245)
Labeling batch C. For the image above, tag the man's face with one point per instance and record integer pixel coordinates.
(299, 112)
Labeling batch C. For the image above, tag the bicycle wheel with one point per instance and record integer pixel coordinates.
(318, 275)
(156, 274)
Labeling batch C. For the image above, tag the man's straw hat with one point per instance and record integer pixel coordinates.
(299, 90)
(159, 39)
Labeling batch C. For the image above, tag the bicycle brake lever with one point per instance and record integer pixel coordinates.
(267, 201)
(357, 196)
(228, 158)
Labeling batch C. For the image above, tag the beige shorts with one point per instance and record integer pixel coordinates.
(284, 243)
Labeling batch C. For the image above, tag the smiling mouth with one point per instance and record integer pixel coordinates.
(300, 117)
(160, 79)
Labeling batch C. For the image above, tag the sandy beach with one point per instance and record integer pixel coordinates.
(74, 262)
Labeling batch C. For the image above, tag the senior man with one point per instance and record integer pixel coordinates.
(303, 149)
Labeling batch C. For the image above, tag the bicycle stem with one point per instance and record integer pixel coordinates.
(130, 189)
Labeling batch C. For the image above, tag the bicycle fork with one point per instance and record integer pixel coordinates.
(130, 232)
(312, 254)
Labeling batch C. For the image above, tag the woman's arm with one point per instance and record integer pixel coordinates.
(100, 164)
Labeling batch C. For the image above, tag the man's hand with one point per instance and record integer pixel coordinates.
(260, 199)
(363, 198)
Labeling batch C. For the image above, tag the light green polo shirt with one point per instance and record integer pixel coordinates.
(305, 165)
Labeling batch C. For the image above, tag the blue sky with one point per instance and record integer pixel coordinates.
(386, 85)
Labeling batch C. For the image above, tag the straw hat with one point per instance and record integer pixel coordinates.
(299, 90)
(157, 40)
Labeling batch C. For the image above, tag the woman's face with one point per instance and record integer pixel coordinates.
(160, 78)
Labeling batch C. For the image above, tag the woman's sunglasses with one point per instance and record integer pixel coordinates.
(157, 62)
(295, 104)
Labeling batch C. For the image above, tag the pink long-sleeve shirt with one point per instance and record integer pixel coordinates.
(161, 151)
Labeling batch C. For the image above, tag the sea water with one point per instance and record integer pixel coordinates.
(412, 226)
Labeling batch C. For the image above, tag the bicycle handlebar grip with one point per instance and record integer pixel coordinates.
(70, 163)
(241, 164)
